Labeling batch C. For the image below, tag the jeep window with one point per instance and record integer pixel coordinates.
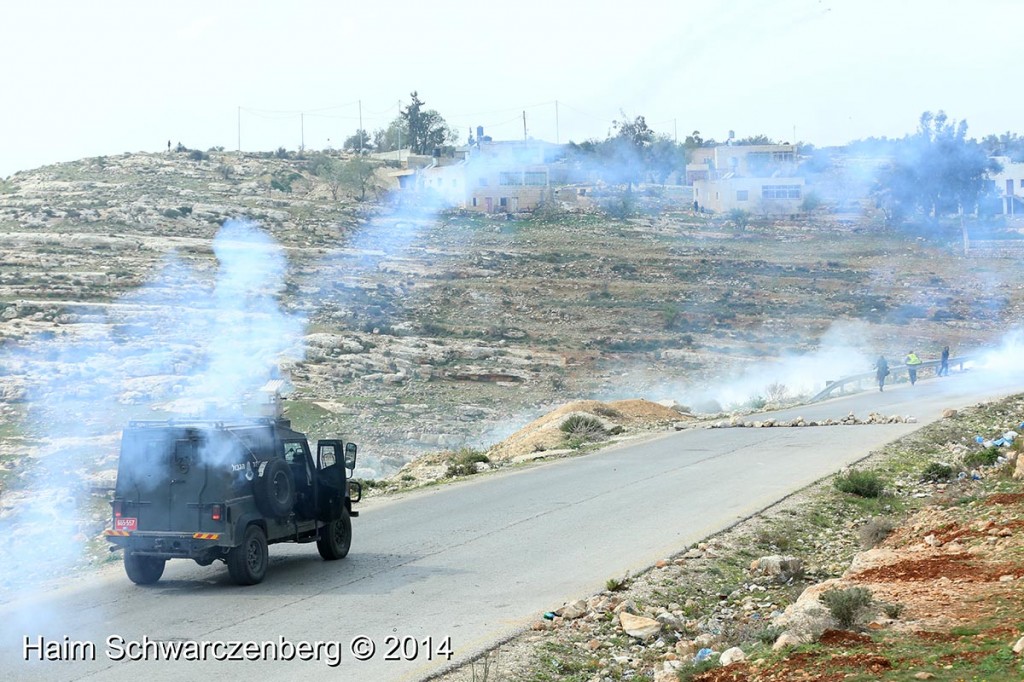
(296, 453)
(328, 457)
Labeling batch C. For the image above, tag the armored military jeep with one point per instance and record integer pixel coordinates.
(208, 490)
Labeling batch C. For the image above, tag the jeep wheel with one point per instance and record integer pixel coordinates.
(335, 538)
(247, 563)
(275, 489)
(143, 570)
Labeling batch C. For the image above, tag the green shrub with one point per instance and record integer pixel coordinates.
(936, 472)
(615, 584)
(583, 427)
(875, 530)
(463, 462)
(986, 457)
(769, 634)
(860, 483)
(892, 610)
(846, 605)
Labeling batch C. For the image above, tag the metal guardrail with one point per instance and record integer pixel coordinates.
(859, 379)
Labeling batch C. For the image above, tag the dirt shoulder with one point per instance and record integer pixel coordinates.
(938, 556)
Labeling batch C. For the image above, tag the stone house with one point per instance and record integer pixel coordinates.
(492, 177)
(755, 178)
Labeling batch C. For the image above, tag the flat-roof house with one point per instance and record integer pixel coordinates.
(755, 178)
(493, 177)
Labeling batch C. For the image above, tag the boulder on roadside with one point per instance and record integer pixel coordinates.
(572, 610)
(778, 567)
(640, 627)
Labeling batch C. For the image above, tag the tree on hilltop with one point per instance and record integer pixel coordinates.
(358, 142)
(417, 128)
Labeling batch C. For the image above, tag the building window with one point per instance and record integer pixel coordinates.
(536, 179)
(741, 195)
(503, 202)
(780, 192)
(510, 179)
(483, 182)
(474, 201)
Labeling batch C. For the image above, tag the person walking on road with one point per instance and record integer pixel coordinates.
(912, 364)
(881, 372)
(944, 363)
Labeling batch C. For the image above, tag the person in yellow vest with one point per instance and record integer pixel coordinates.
(912, 364)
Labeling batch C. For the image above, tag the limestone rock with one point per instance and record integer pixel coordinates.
(573, 610)
(778, 567)
(640, 627)
(732, 655)
(805, 620)
(1019, 646)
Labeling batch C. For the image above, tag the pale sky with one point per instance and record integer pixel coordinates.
(100, 78)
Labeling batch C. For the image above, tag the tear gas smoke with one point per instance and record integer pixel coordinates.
(188, 343)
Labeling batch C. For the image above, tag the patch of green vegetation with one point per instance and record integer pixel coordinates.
(463, 462)
(859, 482)
(847, 605)
(306, 416)
(562, 663)
(583, 427)
(938, 472)
(986, 457)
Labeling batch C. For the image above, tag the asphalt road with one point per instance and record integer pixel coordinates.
(473, 562)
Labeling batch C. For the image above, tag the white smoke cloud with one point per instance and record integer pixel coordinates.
(188, 343)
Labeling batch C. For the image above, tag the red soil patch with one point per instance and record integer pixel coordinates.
(1005, 498)
(935, 636)
(843, 638)
(874, 664)
(955, 567)
(952, 531)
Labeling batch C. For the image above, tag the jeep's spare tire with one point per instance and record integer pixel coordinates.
(274, 488)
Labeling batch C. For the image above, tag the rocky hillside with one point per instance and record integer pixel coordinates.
(425, 331)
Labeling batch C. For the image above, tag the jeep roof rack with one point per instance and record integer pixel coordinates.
(215, 423)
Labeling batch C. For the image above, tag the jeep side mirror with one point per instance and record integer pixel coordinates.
(350, 456)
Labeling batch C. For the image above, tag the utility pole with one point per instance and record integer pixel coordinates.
(557, 138)
(524, 125)
(360, 127)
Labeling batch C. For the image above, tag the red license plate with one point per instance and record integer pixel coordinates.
(126, 523)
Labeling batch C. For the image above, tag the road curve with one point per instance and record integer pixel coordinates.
(473, 561)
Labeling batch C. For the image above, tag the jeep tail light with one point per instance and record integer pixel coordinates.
(215, 512)
(116, 504)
